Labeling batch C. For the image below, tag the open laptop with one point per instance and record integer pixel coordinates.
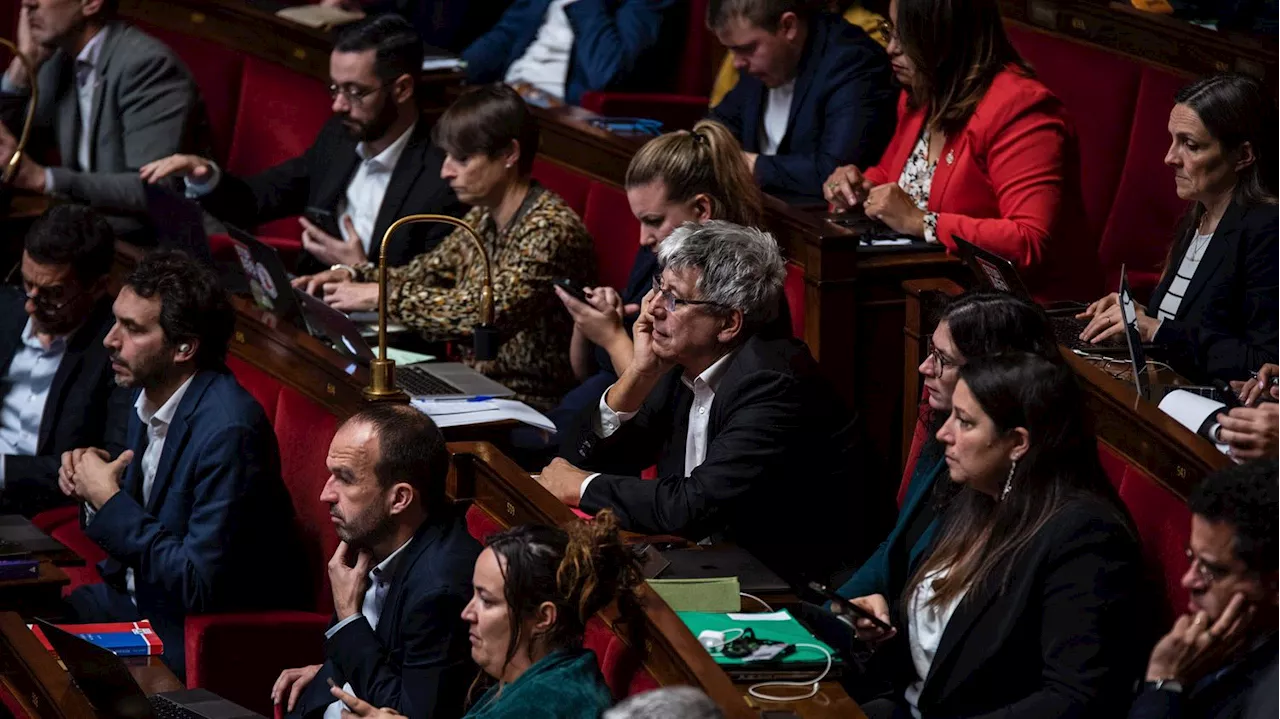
(997, 273)
(269, 281)
(422, 379)
(105, 681)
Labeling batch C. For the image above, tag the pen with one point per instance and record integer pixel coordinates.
(477, 398)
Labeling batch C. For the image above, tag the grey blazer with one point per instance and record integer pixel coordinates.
(145, 106)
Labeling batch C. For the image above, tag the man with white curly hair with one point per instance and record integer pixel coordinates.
(752, 445)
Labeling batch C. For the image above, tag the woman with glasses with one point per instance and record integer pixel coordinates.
(982, 151)
(1030, 601)
(531, 238)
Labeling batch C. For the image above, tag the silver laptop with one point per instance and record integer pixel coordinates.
(422, 379)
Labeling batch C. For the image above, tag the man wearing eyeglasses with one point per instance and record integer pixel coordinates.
(57, 393)
(752, 445)
(1216, 653)
(372, 163)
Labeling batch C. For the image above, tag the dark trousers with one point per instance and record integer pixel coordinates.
(94, 603)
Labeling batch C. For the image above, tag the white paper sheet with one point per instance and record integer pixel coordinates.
(1191, 410)
(456, 413)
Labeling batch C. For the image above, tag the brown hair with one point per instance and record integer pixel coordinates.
(764, 14)
(958, 48)
(707, 160)
(485, 121)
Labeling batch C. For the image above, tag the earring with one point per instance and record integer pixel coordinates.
(1008, 482)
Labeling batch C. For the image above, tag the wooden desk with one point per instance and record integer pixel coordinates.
(506, 493)
(1132, 427)
(39, 596)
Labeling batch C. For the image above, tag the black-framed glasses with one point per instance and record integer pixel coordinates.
(940, 359)
(354, 93)
(50, 299)
(887, 31)
(1207, 571)
(670, 302)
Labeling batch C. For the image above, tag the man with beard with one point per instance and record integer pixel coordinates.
(194, 515)
(400, 576)
(57, 392)
(372, 163)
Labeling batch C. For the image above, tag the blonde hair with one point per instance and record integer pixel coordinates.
(705, 161)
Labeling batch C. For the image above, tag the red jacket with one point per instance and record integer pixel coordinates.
(1010, 183)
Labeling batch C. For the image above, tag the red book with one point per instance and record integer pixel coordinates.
(124, 639)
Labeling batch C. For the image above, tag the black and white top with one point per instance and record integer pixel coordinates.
(1172, 299)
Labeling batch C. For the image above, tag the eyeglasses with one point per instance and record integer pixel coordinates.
(49, 299)
(942, 360)
(670, 301)
(354, 94)
(887, 31)
(1206, 572)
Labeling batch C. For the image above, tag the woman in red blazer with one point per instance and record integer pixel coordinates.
(983, 151)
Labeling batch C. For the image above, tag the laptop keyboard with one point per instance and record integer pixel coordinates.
(420, 383)
(165, 708)
(1067, 331)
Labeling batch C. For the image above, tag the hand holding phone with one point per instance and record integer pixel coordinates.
(860, 613)
(571, 287)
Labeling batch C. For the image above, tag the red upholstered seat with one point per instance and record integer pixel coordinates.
(63, 524)
(622, 669)
(793, 289)
(1164, 526)
(279, 116)
(1113, 464)
(215, 643)
(1146, 210)
(480, 525)
(615, 230)
(217, 71)
(263, 387)
(569, 185)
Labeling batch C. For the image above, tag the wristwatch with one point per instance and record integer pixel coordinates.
(1163, 685)
(346, 268)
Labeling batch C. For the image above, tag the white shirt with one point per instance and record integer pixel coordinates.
(374, 599)
(368, 187)
(777, 115)
(695, 442)
(157, 421)
(30, 378)
(545, 63)
(86, 77)
(1172, 299)
(925, 627)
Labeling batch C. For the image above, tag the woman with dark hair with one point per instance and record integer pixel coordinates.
(535, 587)
(1214, 312)
(490, 139)
(982, 151)
(975, 324)
(1030, 602)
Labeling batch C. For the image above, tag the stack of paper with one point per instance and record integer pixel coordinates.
(1191, 411)
(319, 16)
(460, 412)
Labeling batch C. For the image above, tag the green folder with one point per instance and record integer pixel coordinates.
(719, 594)
(778, 626)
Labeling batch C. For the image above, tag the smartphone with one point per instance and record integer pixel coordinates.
(850, 607)
(323, 219)
(572, 288)
(1227, 395)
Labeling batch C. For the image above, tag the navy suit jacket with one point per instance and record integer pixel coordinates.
(418, 660)
(842, 113)
(617, 44)
(84, 408)
(1223, 694)
(216, 534)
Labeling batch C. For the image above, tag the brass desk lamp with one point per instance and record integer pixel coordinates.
(382, 371)
(11, 169)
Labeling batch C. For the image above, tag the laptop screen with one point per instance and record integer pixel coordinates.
(1137, 358)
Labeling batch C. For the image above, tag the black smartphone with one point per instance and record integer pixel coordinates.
(850, 607)
(1227, 395)
(323, 219)
(572, 288)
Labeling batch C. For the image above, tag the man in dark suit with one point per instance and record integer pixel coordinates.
(58, 391)
(815, 93)
(194, 515)
(372, 163)
(1207, 665)
(400, 576)
(751, 443)
(112, 99)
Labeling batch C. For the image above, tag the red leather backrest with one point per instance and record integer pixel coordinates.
(793, 289)
(263, 387)
(1146, 210)
(615, 230)
(1164, 526)
(304, 430)
(696, 71)
(1098, 89)
(480, 525)
(217, 71)
(623, 672)
(569, 185)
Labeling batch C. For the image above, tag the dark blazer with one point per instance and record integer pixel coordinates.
(781, 475)
(842, 112)
(617, 44)
(216, 534)
(1228, 324)
(1224, 694)
(319, 178)
(1064, 639)
(84, 407)
(418, 660)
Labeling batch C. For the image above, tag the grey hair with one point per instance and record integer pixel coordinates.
(740, 267)
(667, 702)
